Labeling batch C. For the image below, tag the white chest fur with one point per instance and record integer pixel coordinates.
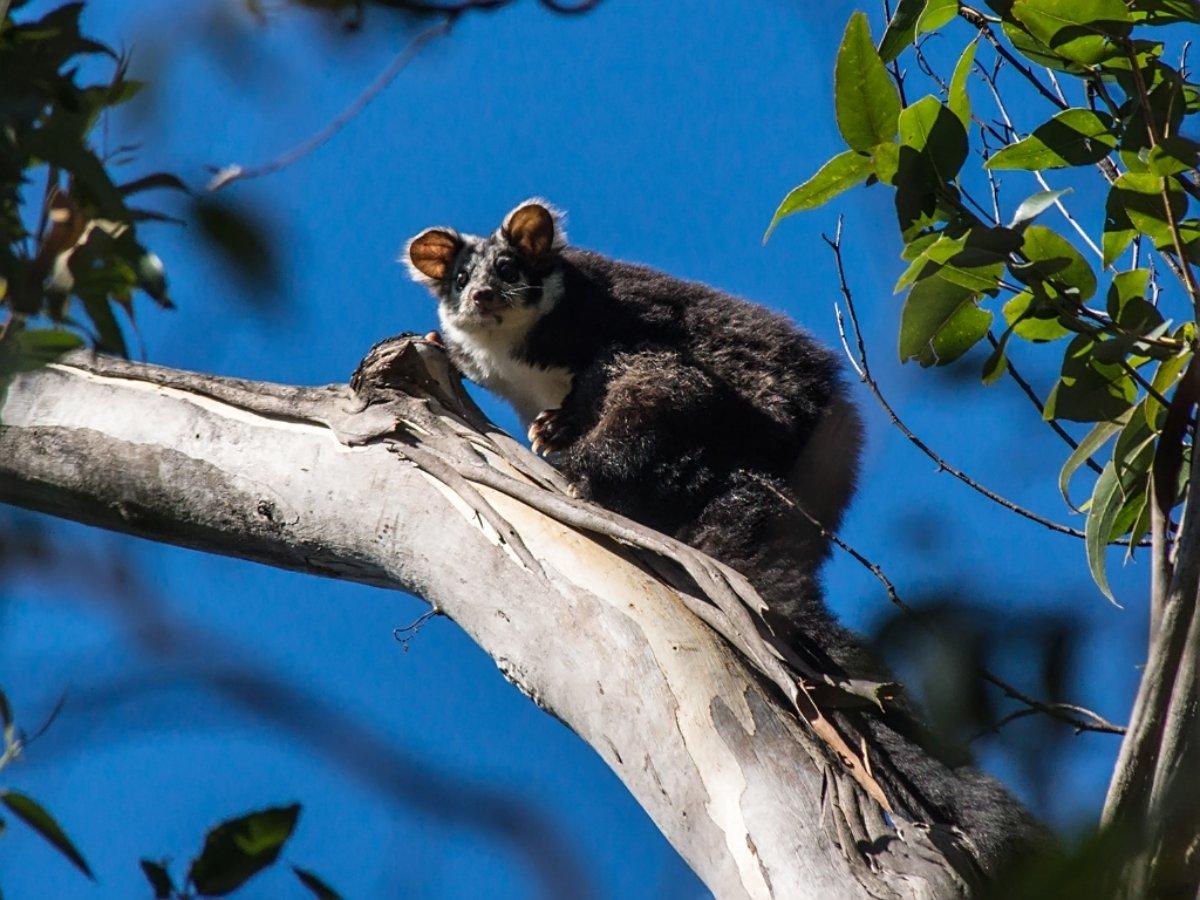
(490, 361)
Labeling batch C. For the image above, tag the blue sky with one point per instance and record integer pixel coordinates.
(668, 132)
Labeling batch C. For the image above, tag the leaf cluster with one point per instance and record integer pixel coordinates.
(74, 260)
(969, 274)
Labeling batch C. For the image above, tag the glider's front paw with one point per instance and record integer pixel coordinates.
(551, 431)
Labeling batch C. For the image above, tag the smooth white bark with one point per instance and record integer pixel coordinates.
(304, 479)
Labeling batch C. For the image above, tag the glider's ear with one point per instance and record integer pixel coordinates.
(535, 229)
(430, 255)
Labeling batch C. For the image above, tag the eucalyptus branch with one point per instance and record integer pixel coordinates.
(235, 172)
(1184, 270)
(1029, 392)
(896, 72)
(982, 22)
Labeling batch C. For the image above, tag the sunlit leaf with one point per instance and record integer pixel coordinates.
(1091, 443)
(839, 174)
(1054, 259)
(1102, 514)
(901, 30)
(940, 322)
(957, 98)
(936, 14)
(1078, 30)
(1073, 137)
(1033, 321)
(933, 130)
(864, 97)
(1034, 205)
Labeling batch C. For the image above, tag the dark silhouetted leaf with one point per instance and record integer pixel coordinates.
(33, 815)
(159, 878)
(240, 848)
(319, 888)
(240, 238)
(1087, 389)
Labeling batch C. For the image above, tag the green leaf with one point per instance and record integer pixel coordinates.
(1053, 259)
(1092, 441)
(1034, 205)
(1089, 390)
(1033, 49)
(240, 848)
(1173, 155)
(35, 816)
(1135, 204)
(1102, 514)
(1074, 137)
(934, 131)
(839, 174)
(865, 100)
(1169, 372)
(901, 30)
(997, 362)
(940, 322)
(886, 158)
(967, 260)
(1164, 12)
(936, 14)
(1033, 321)
(1127, 305)
(1077, 30)
(30, 349)
(159, 878)
(319, 888)
(957, 98)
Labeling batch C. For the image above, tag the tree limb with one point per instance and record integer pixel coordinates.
(654, 654)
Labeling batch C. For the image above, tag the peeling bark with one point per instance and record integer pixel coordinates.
(652, 653)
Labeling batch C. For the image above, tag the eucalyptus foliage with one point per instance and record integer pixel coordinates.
(1109, 101)
(71, 258)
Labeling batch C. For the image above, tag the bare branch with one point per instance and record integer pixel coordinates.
(864, 368)
(235, 172)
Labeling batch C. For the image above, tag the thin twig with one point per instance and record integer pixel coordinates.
(236, 172)
(976, 18)
(1029, 392)
(1184, 271)
(894, 68)
(865, 373)
(405, 633)
(1064, 712)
